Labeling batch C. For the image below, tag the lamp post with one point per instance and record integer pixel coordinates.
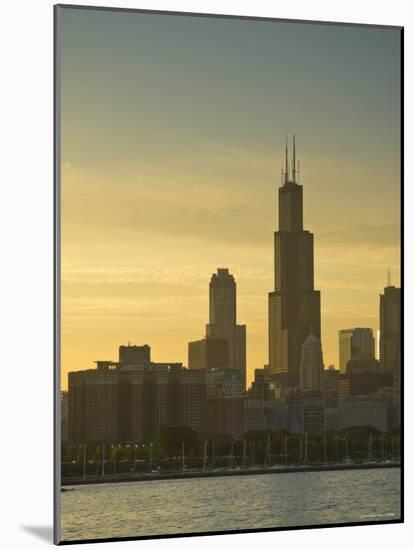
(205, 456)
(286, 450)
(151, 456)
(306, 448)
(84, 460)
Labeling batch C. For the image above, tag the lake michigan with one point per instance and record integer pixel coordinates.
(180, 506)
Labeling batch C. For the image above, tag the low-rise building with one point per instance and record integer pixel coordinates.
(363, 411)
(331, 420)
(276, 414)
(254, 417)
(305, 412)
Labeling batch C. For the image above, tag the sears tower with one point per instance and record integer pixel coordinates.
(294, 305)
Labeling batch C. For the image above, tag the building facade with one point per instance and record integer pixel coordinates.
(225, 403)
(330, 379)
(131, 402)
(305, 410)
(134, 355)
(208, 353)
(94, 404)
(254, 414)
(363, 411)
(311, 365)
(187, 399)
(354, 343)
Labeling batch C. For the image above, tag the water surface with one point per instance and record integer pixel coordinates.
(229, 503)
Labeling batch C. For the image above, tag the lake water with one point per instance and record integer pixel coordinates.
(229, 503)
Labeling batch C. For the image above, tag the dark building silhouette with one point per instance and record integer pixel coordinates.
(64, 416)
(263, 386)
(363, 377)
(211, 352)
(254, 413)
(311, 365)
(355, 342)
(131, 403)
(135, 355)
(155, 402)
(208, 353)
(276, 414)
(362, 410)
(330, 378)
(305, 412)
(187, 399)
(390, 330)
(126, 401)
(396, 403)
(225, 417)
(225, 403)
(294, 305)
(94, 404)
(361, 363)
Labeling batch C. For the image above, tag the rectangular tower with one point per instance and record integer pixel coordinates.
(294, 305)
(390, 330)
(354, 343)
(223, 320)
(208, 353)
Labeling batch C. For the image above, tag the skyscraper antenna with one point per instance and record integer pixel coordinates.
(286, 162)
(294, 160)
(389, 277)
(298, 172)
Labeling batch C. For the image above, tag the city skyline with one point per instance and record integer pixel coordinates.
(145, 223)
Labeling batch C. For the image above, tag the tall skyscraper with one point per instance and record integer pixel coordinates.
(222, 303)
(390, 330)
(294, 305)
(222, 328)
(355, 343)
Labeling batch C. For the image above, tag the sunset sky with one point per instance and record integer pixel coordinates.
(173, 130)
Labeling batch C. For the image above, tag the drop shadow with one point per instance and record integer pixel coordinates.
(43, 532)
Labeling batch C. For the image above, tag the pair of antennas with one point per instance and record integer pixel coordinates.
(286, 169)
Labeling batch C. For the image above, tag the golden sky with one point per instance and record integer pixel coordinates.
(172, 143)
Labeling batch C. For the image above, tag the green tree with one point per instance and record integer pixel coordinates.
(172, 438)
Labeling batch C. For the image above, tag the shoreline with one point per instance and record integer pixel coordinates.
(130, 476)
